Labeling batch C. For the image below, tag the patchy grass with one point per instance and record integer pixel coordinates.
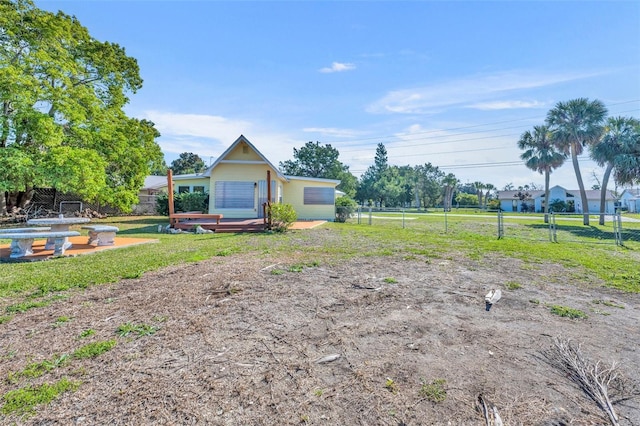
(512, 285)
(609, 303)
(139, 329)
(38, 369)
(567, 312)
(94, 349)
(24, 400)
(434, 391)
(426, 235)
(87, 333)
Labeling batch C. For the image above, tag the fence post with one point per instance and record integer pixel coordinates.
(359, 215)
(369, 215)
(553, 236)
(500, 225)
(617, 228)
(445, 221)
(403, 218)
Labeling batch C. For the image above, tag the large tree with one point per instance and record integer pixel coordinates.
(618, 148)
(575, 124)
(541, 155)
(187, 163)
(367, 189)
(62, 124)
(429, 184)
(321, 161)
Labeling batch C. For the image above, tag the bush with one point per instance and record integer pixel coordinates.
(187, 201)
(345, 207)
(194, 201)
(493, 204)
(282, 217)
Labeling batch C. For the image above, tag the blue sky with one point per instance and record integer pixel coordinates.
(450, 83)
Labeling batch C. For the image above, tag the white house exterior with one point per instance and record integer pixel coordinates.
(630, 199)
(510, 200)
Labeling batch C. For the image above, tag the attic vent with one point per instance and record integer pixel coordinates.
(245, 149)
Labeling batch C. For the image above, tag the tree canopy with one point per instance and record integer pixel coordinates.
(321, 161)
(62, 123)
(188, 162)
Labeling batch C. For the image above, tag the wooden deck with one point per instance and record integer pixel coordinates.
(240, 225)
(223, 225)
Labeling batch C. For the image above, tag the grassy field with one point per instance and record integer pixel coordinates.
(25, 284)
(401, 302)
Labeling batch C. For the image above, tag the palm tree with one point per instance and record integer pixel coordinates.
(575, 124)
(450, 183)
(479, 186)
(541, 156)
(489, 187)
(619, 142)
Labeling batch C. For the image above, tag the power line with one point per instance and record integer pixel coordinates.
(398, 136)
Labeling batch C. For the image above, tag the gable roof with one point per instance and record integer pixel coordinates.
(632, 193)
(238, 141)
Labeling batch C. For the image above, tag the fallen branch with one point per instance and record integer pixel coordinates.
(593, 378)
(490, 412)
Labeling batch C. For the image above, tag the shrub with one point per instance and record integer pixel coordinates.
(557, 206)
(162, 204)
(345, 207)
(282, 217)
(194, 201)
(493, 204)
(187, 202)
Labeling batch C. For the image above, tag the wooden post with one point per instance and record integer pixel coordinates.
(269, 198)
(170, 195)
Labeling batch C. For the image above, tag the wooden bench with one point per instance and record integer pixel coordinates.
(184, 218)
(104, 235)
(22, 242)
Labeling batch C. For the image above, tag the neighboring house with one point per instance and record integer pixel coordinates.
(511, 202)
(237, 186)
(630, 199)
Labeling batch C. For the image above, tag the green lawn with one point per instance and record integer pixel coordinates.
(26, 285)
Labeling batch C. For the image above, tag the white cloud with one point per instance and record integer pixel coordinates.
(198, 125)
(338, 67)
(209, 136)
(498, 105)
(466, 91)
(333, 132)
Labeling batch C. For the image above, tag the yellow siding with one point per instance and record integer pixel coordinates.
(294, 195)
(203, 181)
(242, 152)
(191, 183)
(241, 173)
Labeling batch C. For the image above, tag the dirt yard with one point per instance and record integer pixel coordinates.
(245, 340)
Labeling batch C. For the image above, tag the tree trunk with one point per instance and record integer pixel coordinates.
(547, 177)
(26, 197)
(603, 192)
(583, 194)
(3, 204)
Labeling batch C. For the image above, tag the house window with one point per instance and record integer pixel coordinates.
(324, 196)
(183, 189)
(198, 189)
(234, 195)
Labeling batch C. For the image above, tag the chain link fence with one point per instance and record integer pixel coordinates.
(49, 200)
(555, 227)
